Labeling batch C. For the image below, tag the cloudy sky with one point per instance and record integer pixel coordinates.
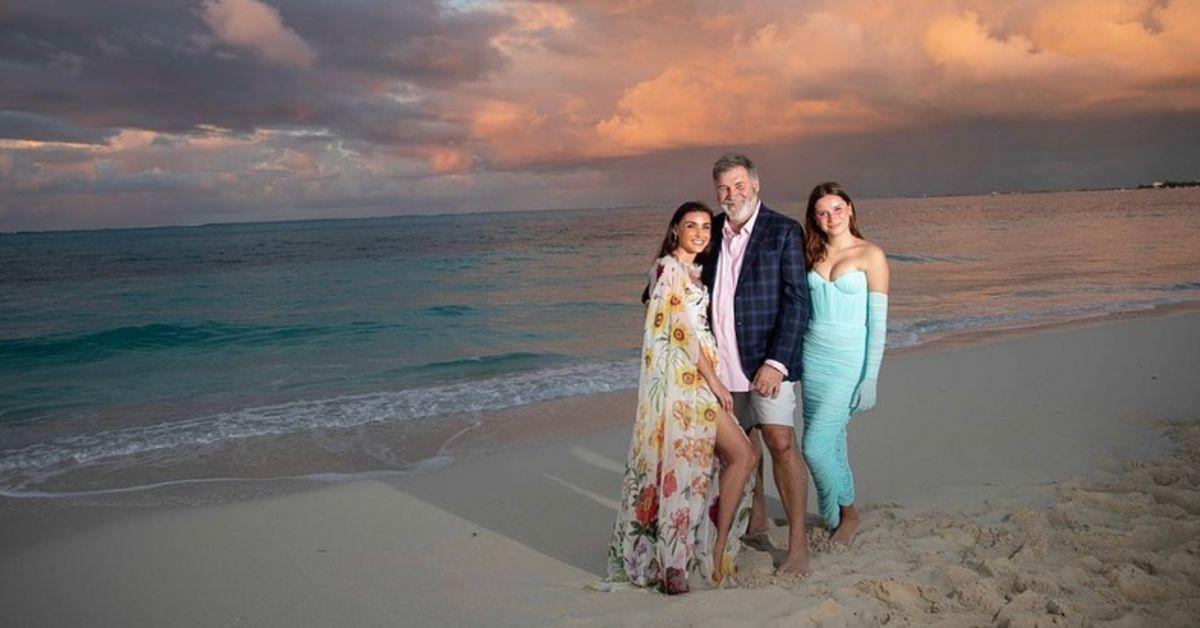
(137, 112)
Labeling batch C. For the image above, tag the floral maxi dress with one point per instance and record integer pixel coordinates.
(666, 522)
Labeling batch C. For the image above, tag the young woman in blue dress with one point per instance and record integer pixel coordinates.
(843, 346)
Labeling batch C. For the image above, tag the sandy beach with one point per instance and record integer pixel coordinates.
(1036, 479)
(328, 314)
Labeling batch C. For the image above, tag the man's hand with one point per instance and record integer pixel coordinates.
(767, 380)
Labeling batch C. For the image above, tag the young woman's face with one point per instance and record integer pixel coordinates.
(833, 214)
(693, 232)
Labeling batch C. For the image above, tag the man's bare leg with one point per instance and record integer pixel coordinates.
(791, 477)
(757, 528)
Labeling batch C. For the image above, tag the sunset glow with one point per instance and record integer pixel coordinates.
(140, 113)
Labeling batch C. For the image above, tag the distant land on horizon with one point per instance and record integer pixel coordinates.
(1156, 185)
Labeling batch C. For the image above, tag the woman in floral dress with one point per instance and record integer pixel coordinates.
(672, 521)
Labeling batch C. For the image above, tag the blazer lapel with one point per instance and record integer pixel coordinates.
(752, 248)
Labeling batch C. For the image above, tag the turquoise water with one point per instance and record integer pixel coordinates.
(124, 343)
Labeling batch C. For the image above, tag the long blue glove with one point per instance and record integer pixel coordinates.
(864, 395)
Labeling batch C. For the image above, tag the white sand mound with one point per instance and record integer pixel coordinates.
(1114, 550)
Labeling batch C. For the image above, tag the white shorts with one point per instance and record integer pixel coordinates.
(753, 409)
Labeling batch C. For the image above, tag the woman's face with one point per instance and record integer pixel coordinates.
(833, 214)
(693, 232)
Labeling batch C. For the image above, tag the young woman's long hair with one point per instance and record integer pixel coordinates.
(671, 240)
(814, 238)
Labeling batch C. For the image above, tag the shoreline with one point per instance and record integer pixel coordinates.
(984, 337)
(976, 433)
(432, 444)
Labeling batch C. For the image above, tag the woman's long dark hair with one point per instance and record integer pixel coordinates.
(814, 238)
(670, 241)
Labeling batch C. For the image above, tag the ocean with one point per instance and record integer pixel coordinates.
(131, 358)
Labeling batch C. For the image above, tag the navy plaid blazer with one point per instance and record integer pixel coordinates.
(770, 304)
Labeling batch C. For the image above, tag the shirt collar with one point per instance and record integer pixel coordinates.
(746, 228)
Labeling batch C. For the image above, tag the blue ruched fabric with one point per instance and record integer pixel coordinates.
(834, 355)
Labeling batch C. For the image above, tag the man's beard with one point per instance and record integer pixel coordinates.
(741, 212)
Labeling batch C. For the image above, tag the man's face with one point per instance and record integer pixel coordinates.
(737, 192)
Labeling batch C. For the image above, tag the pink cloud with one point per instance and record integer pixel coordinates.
(256, 26)
(665, 75)
(445, 160)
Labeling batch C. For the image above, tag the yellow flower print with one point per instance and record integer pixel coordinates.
(656, 437)
(674, 300)
(688, 378)
(648, 359)
(660, 320)
(708, 414)
(680, 335)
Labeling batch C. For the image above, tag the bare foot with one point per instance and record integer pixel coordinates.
(723, 568)
(848, 528)
(796, 564)
(718, 555)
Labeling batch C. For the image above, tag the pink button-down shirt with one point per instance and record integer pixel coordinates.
(729, 268)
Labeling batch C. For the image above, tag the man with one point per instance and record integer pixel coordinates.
(757, 279)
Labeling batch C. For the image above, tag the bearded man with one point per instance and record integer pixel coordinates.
(757, 277)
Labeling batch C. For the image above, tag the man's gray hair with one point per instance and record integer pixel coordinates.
(729, 161)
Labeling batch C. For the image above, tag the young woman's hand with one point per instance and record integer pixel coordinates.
(724, 397)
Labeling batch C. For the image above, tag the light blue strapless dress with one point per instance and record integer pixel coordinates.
(835, 347)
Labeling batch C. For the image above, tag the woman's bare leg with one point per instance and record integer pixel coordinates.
(740, 460)
(848, 528)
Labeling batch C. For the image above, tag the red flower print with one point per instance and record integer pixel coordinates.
(681, 520)
(669, 485)
(647, 505)
(677, 581)
(714, 509)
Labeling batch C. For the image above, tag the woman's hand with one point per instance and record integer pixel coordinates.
(724, 397)
(714, 384)
(864, 397)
